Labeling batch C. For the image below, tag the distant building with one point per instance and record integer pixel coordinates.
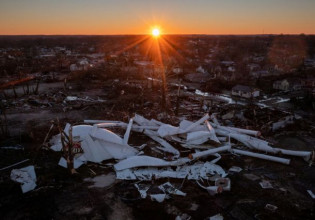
(228, 66)
(197, 77)
(258, 59)
(309, 63)
(81, 65)
(96, 56)
(200, 69)
(177, 70)
(228, 63)
(144, 67)
(226, 76)
(143, 63)
(231, 69)
(73, 67)
(287, 85)
(260, 73)
(245, 91)
(308, 82)
(253, 67)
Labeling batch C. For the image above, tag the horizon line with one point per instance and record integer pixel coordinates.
(271, 34)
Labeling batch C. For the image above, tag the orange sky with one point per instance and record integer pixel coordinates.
(173, 16)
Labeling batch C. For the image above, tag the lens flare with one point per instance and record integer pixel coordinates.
(156, 32)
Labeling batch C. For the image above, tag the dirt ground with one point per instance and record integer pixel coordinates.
(60, 195)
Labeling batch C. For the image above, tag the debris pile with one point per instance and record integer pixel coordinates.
(74, 102)
(268, 120)
(197, 140)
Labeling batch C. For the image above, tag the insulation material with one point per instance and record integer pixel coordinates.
(26, 176)
(142, 161)
(191, 172)
(170, 189)
(209, 152)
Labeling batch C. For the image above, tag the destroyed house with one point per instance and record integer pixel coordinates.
(245, 91)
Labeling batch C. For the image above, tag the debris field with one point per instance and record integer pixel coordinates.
(208, 161)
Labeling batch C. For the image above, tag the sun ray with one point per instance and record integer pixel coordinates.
(149, 48)
(132, 45)
(173, 50)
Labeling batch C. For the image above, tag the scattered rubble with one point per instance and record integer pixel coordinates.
(194, 164)
(216, 217)
(265, 184)
(101, 181)
(271, 208)
(235, 169)
(170, 189)
(311, 194)
(158, 197)
(99, 144)
(164, 158)
(26, 176)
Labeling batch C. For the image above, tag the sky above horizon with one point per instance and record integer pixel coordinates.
(31, 17)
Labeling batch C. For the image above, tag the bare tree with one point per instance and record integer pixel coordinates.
(69, 148)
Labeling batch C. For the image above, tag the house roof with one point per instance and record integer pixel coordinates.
(242, 88)
(227, 63)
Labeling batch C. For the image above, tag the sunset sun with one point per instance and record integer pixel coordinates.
(156, 32)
